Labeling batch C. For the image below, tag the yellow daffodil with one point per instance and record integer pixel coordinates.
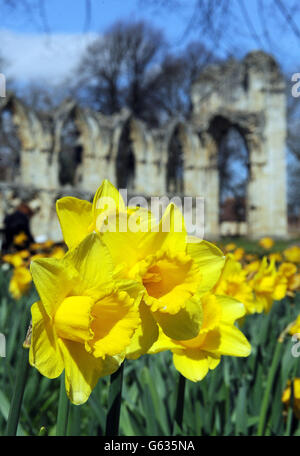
(239, 253)
(218, 336)
(289, 270)
(78, 217)
(20, 239)
(286, 396)
(48, 244)
(20, 282)
(229, 247)
(268, 286)
(233, 282)
(57, 252)
(277, 257)
(36, 246)
(292, 254)
(266, 242)
(252, 267)
(295, 327)
(15, 259)
(25, 254)
(175, 271)
(250, 257)
(84, 320)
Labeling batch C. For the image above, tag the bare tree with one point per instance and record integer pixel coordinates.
(122, 68)
(131, 66)
(178, 72)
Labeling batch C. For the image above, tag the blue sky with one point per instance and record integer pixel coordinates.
(48, 50)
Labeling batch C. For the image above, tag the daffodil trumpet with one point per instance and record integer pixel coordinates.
(85, 317)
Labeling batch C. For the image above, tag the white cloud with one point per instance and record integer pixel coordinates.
(42, 58)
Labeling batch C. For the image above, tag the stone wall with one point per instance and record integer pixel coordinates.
(247, 95)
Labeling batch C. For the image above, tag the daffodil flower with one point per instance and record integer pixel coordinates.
(292, 254)
(289, 271)
(20, 238)
(174, 270)
(218, 336)
(268, 285)
(233, 282)
(20, 282)
(266, 242)
(286, 396)
(78, 217)
(295, 327)
(84, 320)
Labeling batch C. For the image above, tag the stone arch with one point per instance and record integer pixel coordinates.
(131, 146)
(232, 210)
(251, 95)
(10, 146)
(189, 161)
(126, 160)
(67, 149)
(35, 142)
(176, 143)
(96, 133)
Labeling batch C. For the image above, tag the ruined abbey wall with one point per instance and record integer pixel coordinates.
(247, 95)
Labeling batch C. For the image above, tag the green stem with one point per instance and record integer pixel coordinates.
(114, 402)
(16, 403)
(290, 416)
(270, 380)
(74, 420)
(178, 418)
(63, 409)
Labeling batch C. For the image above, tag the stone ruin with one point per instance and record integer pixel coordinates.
(180, 158)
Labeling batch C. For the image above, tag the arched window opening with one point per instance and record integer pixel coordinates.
(70, 155)
(175, 164)
(125, 160)
(10, 148)
(233, 167)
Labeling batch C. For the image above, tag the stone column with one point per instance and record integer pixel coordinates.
(95, 140)
(139, 145)
(210, 188)
(36, 144)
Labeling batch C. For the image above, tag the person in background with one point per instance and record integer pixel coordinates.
(17, 232)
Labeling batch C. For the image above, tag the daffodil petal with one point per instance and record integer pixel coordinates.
(210, 260)
(123, 246)
(73, 318)
(44, 353)
(164, 343)
(75, 218)
(92, 260)
(115, 320)
(232, 309)
(192, 364)
(53, 281)
(82, 370)
(107, 198)
(169, 235)
(185, 324)
(232, 342)
(145, 334)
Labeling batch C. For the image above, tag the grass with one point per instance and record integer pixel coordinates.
(251, 246)
(227, 402)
